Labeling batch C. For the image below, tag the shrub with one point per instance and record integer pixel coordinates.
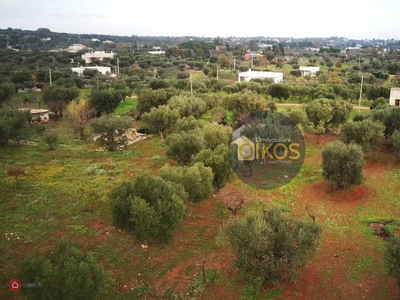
(359, 118)
(197, 179)
(395, 142)
(390, 116)
(51, 141)
(150, 207)
(65, 272)
(268, 246)
(366, 133)
(342, 164)
(217, 160)
(392, 257)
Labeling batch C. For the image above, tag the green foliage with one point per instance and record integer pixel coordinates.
(65, 272)
(197, 179)
(188, 124)
(111, 129)
(328, 112)
(150, 207)
(268, 246)
(51, 140)
(359, 118)
(279, 90)
(105, 101)
(217, 160)
(161, 119)
(149, 98)
(379, 103)
(6, 91)
(395, 142)
(57, 97)
(298, 116)
(12, 123)
(188, 105)
(389, 116)
(366, 133)
(392, 257)
(215, 135)
(243, 102)
(342, 164)
(183, 145)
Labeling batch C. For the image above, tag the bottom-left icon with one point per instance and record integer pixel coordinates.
(15, 285)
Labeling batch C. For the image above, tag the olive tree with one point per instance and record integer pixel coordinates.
(269, 246)
(392, 257)
(217, 160)
(150, 207)
(161, 119)
(63, 272)
(366, 133)
(197, 179)
(58, 97)
(342, 164)
(111, 129)
(395, 142)
(325, 112)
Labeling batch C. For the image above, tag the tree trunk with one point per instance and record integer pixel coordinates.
(81, 129)
(161, 136)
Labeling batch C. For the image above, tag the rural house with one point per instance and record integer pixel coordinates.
(394, 96)
(249, 75)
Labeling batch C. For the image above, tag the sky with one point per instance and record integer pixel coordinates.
(354, 19)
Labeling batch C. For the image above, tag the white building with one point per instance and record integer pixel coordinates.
(102, 70)
(97, 54)
(310, 71)
(76, 48)
(249, 75)
(394, 96)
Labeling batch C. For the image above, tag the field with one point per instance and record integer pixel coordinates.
(64, 195)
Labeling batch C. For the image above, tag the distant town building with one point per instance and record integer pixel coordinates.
(157, 50)
(249, 75)
(310, 71)
(76, 48)
(249, 56)
(394, 96)
(102, 70)
(100, 55)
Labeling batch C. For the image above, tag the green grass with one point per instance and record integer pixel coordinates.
(124, 106)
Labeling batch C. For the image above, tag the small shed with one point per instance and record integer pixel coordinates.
(394, 96)
(39, 115)
(310, 71)
(249, 75)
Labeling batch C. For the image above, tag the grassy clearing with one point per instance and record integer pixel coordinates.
(124, 106)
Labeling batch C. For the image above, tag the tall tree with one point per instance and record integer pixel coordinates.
(111, 130)
(58, 97)
(12, 123)
(105, 101)
(80, 112)
(6, 91)
(161, 119)
(279, 90)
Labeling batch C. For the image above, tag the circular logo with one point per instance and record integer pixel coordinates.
(266, 150)
(15, 285)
